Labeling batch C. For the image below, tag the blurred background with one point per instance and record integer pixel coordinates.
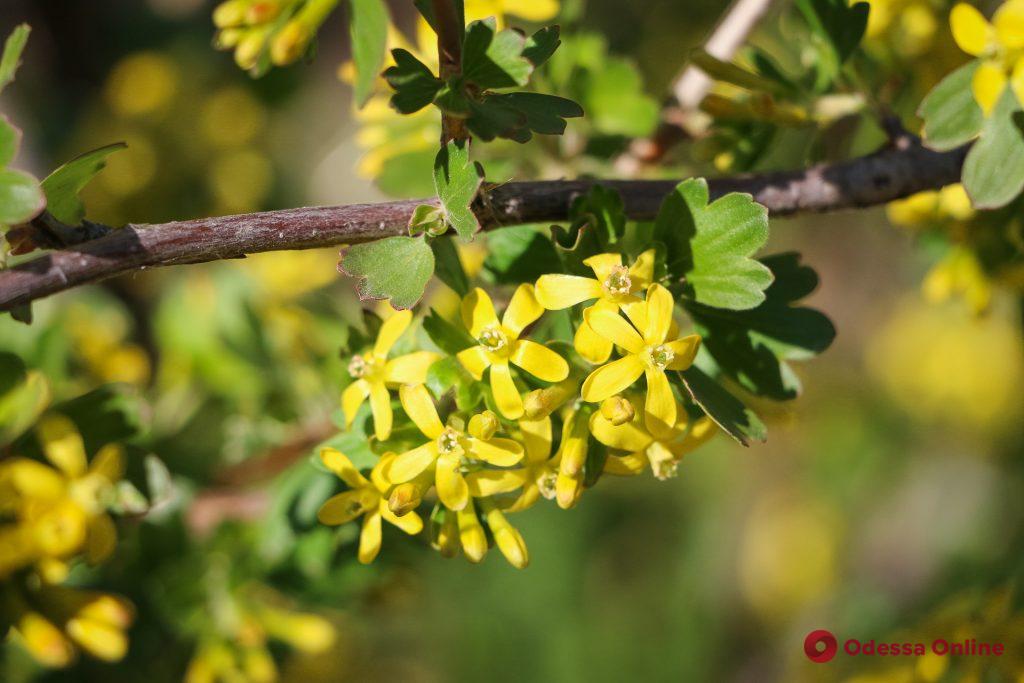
(888, 499)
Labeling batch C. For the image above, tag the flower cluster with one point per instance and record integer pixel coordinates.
(273, 31)
(998, 44)
(515, 413)
(51, 514)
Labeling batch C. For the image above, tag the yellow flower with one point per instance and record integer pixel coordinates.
(646, 353)
(450, 448)
(662, 452)
(959, 273)
(571, 457)
(367, 497)
(931, 206)
(530, 10)
(499, 345)
(474, 540)
(615, 287)
(536, 477)
(999, 46)
(60, 510)
(373, 373)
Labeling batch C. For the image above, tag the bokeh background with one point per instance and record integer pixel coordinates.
(887, 499)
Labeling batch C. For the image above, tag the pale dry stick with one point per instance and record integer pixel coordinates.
(692, 84)
(878, 178)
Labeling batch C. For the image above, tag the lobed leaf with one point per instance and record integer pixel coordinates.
(414, 83)
(493, 58)
(726, 410)
(457, 180)
(395, 268)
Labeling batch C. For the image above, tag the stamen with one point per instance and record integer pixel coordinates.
(618, 281)
(546, 485)
(449, 442)
(357, 366)
(660, 356)
(493, 339)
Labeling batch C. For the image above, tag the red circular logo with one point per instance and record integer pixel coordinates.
(820, 646)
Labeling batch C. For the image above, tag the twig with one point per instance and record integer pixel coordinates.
(866, 181)
(448, 25)
(692, 84)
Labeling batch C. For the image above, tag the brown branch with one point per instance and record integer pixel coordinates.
(449, 27)
(875, 179)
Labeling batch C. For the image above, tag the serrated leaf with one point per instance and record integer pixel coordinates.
(951, 114)
(456, 181)
(21, 197)
(395, 268)
(369, 33)
(492, 117)
(448, 337)
(542, 44)
(448, 265)
(494, 59)
(414, 83)
(726, 410)
(993, 173)
(710, 245)
(752, 346)
(543, 114)
(11, 59)
(63, 185)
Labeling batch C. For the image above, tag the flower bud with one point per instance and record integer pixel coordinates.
(99, 639)
(444, 532)
(290, 43)
(262, 11)
(540, 403)
(568, 490)
(250, 47)
(471, 533)
(258, 666)
(617, 410)
(510, 542)
(44, 641)
(484, 425)
(230, 14)
(405, 498)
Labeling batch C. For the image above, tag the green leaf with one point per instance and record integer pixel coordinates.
(951, 115)
(369, 32)
(457, 180)
(752, 346)
(448, 266)
(414, 83)
(63, 185)
(21, 197)
(395, 268)
(447, 374)
(615, 100)
(448, 337)
(427, 218)
(710, 245)
(494, 59)
(10, 141)
(22, 404)
(838, 26)
(520, 253)
(726, 410)
(492, 117)
(543, 114)
(542, 44)
(11, 59)
(993, 172)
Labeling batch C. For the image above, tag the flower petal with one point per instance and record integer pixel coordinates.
(343, 507)
(660, 406)
(589, 344)
(1009, 24)
(475, 359)
(537, 439)
(626, 437)
(506, 395)
(602, 265)
(971, 30)
(451, 485)
(539, 361)
(522, 310)
(380, 406)
(109, 463)
(410, 368)
(642, 271)
(625, 465)
(471, 533)
(409, 464)
(499, 452)
(390, 331)
(411, 523)
(478, 312)
(534, 10)
(526, 499)
(420, 408)
(614, 328)
(685, 350)
(338, 462)
(370, 537)
(483, 483)
(659, 314)
(62, 445)
(1017, 83)
(352, 398)
(555, 292)
(987, 85)
(612, 378)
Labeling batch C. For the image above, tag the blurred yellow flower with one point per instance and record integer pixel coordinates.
(931, 207)
(959, 273)
(997, 44)
(142, 83)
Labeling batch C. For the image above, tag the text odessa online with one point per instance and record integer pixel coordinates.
(969, 647)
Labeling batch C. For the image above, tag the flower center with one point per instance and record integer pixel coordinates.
(665, 469)
(492, 338)
(546, 483)
(360, 366)
(660, 356)
(449, 442)
(618, 282)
